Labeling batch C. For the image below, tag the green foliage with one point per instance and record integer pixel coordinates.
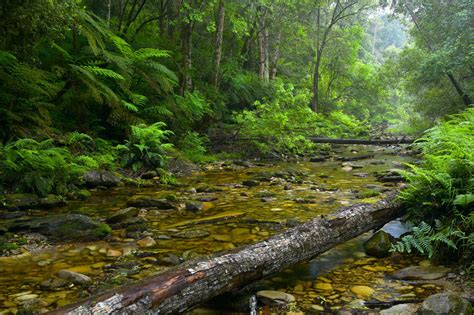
(38, 167)
(286, 122)
(441, 188)
(146, 148)
(193, 147)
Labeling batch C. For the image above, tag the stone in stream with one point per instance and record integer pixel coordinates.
(445, 304)
(251, 183)
(74, 277)
(194, 206)
(275, 297)
(378, 245)
(317, 159)
(401, 309)
(192, 234)
(53, 283)
(151, 202)
(421, 273)
(146, 242)
(123, 215)
(63, 227)
(362, 291)
(96, 178)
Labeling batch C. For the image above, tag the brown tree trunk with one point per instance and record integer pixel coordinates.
(218, 42)
(183, 287)
(275, 56)
(186, 51)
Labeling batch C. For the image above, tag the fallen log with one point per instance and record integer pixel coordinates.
(194, 282)
(362, 141)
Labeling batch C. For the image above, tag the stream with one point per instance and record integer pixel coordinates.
(275, 196)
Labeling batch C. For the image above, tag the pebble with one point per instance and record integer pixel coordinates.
(113, 253)
(146, 242)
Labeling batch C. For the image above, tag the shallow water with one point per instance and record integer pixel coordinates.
(239, 217)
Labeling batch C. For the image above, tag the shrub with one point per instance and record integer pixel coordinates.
(146, 148)
(37, 167)
(441, 191)
(192, 145)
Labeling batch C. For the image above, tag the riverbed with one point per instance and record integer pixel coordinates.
(236, 204)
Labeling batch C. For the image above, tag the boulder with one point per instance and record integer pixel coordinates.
(362, 291)
(74, 277)
(100, 178)
(445, 304)
(123, 215)
(150, 202)
(378, 245)
(420, 273)
(63, 227)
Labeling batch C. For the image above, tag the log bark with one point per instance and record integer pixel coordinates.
(185, 286)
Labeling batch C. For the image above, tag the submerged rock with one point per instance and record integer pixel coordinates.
(123, 215)
(250, 183)
(362, 291)
(194, 206)
(445, 304)
(401, 309)
(146, 242)
(378, 245)
(64, 227)
(192, 234)
(421, 273)
(150, 201)
(100, 178)
(74, 277)
(275, 297)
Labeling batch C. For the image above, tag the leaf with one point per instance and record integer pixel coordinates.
(464, 200)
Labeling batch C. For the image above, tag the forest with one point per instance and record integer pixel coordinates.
(139, 138)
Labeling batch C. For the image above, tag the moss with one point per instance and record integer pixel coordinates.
(369, 194)
(101, 231)
(83, 194)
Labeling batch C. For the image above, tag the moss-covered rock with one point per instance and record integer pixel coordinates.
(64, 227)
(29, 201)
(445, 303)
(378, 245)
(83, 194)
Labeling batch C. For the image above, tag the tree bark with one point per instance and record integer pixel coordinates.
(186, 51)
(275, 56)
(183, 287)
(218, 42)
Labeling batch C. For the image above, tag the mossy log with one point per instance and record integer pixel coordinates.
(194, 282)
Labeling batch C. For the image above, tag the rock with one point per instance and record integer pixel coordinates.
(421, 273)
(29, 201)
(26, 297)
(378, 245)
(150, 201)
(323, 286)
(250, 183)
(149, 175)
(146, 242)
(362, 291)
(74, 277)
(83, 194)
(317, 308)
(181, 167)
(53, 283)
(192, 234)
(194, 206)
(317, 159)
(113, 253)
(275, 297)
(347, 168)
(401, 309)
(446, 304)
(268, 199)
(123, 215)
(100, 178)
(63, 227)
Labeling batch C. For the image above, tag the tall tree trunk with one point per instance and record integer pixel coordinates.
(218, 42)
(261, 55)
(315, 98)
(275, 56)
(179, 289)
(266, 49)
(109, 10)
(186, 51)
